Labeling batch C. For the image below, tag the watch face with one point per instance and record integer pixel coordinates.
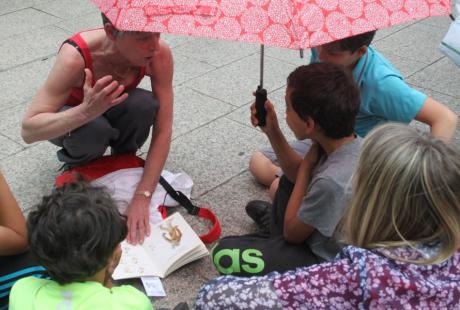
(144, 193)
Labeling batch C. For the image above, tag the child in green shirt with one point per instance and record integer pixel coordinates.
(75, 233)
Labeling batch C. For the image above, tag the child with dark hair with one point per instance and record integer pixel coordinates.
(75, 233)
(385, 97)
(322, 101)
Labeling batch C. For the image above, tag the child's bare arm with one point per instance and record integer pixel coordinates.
(439, 117)
(13, 232)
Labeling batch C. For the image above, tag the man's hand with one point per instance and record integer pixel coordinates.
(105, 94)
(138, 213)
(271, 121)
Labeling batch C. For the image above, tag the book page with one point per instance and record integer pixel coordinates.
(169, 242)
(134, 262)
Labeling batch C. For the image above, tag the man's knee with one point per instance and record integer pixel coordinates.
(90, 139)
(142, 104)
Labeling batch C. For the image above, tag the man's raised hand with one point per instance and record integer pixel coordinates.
(105, 94)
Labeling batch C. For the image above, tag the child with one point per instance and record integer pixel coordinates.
(384, 97)
(75, 233)
(15, 260)
(321, 104)
(403, 227)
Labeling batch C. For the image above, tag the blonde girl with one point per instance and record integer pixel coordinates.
(402, 227)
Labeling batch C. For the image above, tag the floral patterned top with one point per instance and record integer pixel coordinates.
(356, 279)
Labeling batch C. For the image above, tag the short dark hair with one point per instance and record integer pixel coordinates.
(116, 31)
(352, 44)
(74, 231)
(327, 94)
(105, 19)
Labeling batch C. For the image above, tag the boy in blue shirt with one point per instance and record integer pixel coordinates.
(385, 97)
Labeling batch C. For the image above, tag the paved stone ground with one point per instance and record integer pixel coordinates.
(213, 81)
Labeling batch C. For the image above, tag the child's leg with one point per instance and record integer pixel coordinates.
(264, 164)
(263, 169)
(273, 188)
(279, 206)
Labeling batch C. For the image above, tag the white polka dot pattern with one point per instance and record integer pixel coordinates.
(282, 23)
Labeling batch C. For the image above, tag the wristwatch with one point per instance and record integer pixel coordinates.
(146, 194)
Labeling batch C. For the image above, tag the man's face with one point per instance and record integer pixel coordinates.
(140, 47)
(295, 123)
(331, 54)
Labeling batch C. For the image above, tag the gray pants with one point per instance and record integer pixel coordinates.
(124, 128)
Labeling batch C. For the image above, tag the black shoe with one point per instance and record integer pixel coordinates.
(259, 212)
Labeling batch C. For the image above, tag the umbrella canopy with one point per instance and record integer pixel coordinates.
(283, 23)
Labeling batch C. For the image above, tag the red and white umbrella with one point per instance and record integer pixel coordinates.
(295, 24)
(292, 24)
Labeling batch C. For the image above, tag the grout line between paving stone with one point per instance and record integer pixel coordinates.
(63, 29)
(43, 58)
(207, 95)
(215, 68)
(395, 32)
(434, 90)
(222, 183)
(284, 60)
(223, 116)
(44, 12)
(226, 64)
(423, 68)
(21, 9)
(15, 153)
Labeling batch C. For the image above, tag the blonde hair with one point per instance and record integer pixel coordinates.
(406, 193)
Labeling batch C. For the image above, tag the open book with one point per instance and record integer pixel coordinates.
(172, 244)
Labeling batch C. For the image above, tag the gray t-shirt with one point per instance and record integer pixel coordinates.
(327, 195)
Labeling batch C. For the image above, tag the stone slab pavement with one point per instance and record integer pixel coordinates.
(213, 81)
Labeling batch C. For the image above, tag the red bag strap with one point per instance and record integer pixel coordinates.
(182, 199)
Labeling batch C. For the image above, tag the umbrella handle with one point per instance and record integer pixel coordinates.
(261, 97)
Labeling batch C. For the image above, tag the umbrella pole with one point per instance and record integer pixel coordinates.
(261, 66)
(261, 93)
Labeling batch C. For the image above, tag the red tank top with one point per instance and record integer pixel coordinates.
(76, 96)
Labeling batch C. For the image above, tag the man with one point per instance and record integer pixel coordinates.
(90, 102)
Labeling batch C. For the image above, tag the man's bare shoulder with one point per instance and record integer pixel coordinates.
(69, 66)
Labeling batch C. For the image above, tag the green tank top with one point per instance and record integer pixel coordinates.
(36, 294)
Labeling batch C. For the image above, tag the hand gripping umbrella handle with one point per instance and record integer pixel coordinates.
(261, 97)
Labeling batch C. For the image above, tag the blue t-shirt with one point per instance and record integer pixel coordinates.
(384, 94)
